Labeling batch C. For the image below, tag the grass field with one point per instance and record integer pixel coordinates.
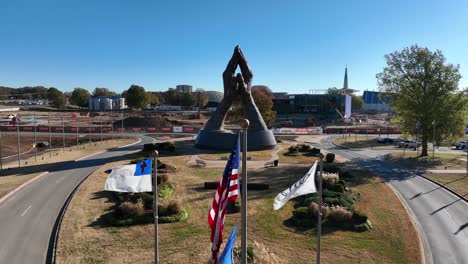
(457, 182)
(84, 238)
(440, 160)
(360, 142)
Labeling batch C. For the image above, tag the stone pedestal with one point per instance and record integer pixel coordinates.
(225, 139)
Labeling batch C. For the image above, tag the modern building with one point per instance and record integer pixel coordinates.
(184, 88)
(106, 103)
(374, 102)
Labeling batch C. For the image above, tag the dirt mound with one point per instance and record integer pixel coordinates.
(150, 121)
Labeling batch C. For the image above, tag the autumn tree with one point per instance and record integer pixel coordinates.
(153, 99)
(136, 97)
(356, 103)
(80, 97)
(263, 98)
(424, 93)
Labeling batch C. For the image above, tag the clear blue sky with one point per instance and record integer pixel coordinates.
(291, 46)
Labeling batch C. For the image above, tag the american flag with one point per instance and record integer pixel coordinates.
(228, 190)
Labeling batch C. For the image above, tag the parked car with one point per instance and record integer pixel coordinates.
(408, 144)
(461, 145)
(386, 140)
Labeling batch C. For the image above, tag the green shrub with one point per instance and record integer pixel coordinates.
(331, 168)
(346, 201)
(303, 147)
(250, 253)
(338, 188)
(293, 150)
(166, 193)
(162, 210)
(149, 147)
(359, 217)
(163, 178)
(328, 193)
(346, 175)
(129, 209)
(174, 208)
(174, 218)
(330, 157)
(331, 201)
(301, 212)
(147, 199)
(314, 151)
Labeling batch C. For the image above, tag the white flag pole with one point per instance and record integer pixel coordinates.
(35, 139)
(18, 140)
(244, 123)
(319, 222)
(155, 205)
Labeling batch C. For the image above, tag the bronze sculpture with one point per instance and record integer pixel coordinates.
(213, 135)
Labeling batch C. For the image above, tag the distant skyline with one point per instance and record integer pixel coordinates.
(292, 47)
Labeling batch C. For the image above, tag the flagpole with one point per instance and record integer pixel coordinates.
(155, 205)
(76, 124)
(63, 133)
(18, 140)
(89, 127)
(319, 222)
(1, 156)
(35, 139)
(100, 119)
(244, 123)
(50, 135)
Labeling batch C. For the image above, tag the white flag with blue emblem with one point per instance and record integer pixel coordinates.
(304, 186)
(130, 178)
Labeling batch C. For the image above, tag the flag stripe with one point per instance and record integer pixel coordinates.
(227, 191)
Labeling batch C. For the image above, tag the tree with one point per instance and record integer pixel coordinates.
(153, 100)
(356, 103)
(56, 98)
(135, 97)
(187, 99)
(263, 98)
(80, 97)
(423, 89)
(103, 92)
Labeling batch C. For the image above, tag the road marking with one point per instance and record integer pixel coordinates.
(85, 157)
(59, 180)
(25, 211)
(131, 144)
(4, 198)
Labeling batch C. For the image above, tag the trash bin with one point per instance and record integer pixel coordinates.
(275, 162)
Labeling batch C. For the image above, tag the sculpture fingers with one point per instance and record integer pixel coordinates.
(232, 64)
(246, 72)
(243, 87)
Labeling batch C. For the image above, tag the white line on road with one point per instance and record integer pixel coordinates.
(131, 144)
(25, 211)
(59, 180)
(85, 157)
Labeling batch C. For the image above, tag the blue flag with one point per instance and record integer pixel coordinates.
(227, 257)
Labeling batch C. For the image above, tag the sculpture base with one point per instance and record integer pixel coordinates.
(224, 140)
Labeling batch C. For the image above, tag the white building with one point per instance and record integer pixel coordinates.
(106, 103)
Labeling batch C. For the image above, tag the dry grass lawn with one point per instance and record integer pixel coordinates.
(440, 160)
(11, 176)
(455, 181)
(84, 238)
(360, 142)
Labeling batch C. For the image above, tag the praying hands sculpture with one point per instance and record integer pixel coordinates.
(234, 86)
(213, 135)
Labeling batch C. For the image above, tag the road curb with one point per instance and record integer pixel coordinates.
(426, 253)
(442, 186)
(11, 193)
(51, 251)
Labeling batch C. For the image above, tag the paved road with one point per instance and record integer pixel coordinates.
(442, 215)
(28, 218)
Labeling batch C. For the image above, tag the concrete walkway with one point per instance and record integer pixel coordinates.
(250, 163)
